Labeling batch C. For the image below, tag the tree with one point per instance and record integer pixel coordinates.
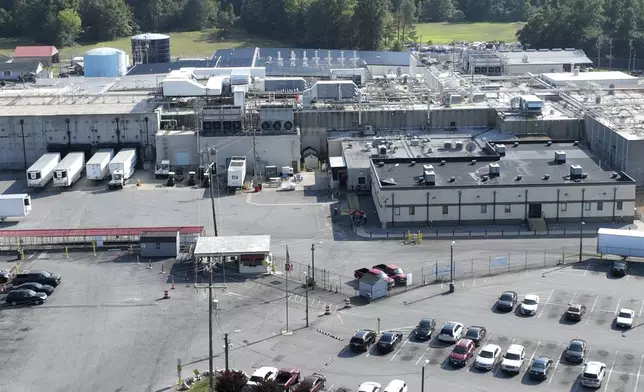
(105, 20)
(369, 21)
(328, 24)
(226, 19)
(230, 381)
(199, 14)
(69, 27)
(438, 11)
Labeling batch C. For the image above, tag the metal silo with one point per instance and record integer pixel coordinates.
(105, 62)
(150, 48)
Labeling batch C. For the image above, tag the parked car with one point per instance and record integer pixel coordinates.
(362, 340)
(37, 276)
(369, 387)
(529, 305)
(25, 297)
(593, 374)
(575, 312)
(507, 301)
(359, 273)
(540, 368)
(37, 287)
(625, 317)
(263, 374)
(313, 383)
(488, 357)
(287, 377)
(476, 334)
(619, 268)
(451, 332)
(462, 352)
(396, 273)
(513, 359)
(396, 386)
(575, 351)
(389, 340)
(425, 328)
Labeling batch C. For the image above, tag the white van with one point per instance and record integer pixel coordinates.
(396, 386)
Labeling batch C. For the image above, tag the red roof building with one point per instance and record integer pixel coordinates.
(47, 55)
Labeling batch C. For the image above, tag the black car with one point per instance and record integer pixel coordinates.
(362, 339)
(389, 340)
(37, 287)
(576, 351)
(541, 367)
(507, 301)
(619, 268)
(425, 328)
(25, 297)
(476, 334)
(40, 276)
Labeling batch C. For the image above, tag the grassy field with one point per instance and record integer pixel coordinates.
(440, 33)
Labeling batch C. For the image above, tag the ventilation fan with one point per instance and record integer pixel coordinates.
(288, 125)
(237, 125)
(266, 125)
(277, 125)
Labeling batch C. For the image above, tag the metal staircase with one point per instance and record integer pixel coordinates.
(538, 225)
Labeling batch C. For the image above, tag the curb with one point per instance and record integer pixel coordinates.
(329, 335)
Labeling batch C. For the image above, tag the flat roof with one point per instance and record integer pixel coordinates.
(223, 246)
(588, 76)
(531, 160)
(337, 162)
(621, 232)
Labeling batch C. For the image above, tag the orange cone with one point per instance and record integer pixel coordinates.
(166, 294)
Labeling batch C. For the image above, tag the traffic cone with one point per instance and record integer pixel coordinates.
(166, 294)
(173, 284)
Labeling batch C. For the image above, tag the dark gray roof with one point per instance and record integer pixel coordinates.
(163, 68)
(530, 160)
(26, 66)
(4, 59)
(235, 57)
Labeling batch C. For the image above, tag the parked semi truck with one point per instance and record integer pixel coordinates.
(69, 169)
(624, 243)
(14, 206)
(98, 167)
(42, 171)
(122, 168)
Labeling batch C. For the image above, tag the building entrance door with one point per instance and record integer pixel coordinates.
(534, 211)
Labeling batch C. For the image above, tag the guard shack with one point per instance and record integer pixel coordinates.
(251, 253)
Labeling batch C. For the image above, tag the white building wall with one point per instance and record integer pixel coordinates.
(520, 69)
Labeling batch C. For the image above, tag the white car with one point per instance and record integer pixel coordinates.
(624, 318)
(488, 357)
(396, 386)
(263, 374)
(451, 332)
(529, 305)
(593, 374)
(369, 387)
(513, 359)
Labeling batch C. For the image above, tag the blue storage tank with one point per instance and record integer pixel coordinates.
(105, 62)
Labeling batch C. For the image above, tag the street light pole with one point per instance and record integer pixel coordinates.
(211, 376)
(422, 379)
(581, 238)
(451, 267)
(308, 273)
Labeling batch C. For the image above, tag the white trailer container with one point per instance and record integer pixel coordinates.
(69, 169)
(122, 167)
(98, 167)
(236, 172)
(624, 243)
(14, 206)
(42, 171)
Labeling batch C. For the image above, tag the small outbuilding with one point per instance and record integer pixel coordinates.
(47, 55)
(25, 71)
(160, 244)
(250, 252)
(372, 287)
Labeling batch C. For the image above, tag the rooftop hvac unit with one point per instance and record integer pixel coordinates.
(429, 177)
(549, 143)
(500, 149)
(546, 176)
(288, 125)
(277, 125)
(448, 145)
(427, 168)
(459, 145)
(516, 144)
(381, 164)
(266, 125)
(414, 141)
(494, 169)
(560, 156)
(382, 150)
(576, 171)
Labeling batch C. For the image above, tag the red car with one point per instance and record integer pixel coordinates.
(393, 271)
(287, 377)
(312, 383)
(462, 352)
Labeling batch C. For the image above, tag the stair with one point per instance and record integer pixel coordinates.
(537, 224)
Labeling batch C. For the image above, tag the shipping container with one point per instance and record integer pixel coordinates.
(69, 169)
(42, 171)
(98, 167)
(14, 206)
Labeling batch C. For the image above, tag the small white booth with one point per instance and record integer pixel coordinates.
(250, 252)
(372, 287)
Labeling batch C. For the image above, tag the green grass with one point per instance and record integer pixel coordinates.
(441, 33)
(202, 385)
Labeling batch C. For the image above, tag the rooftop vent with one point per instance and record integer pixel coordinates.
(576, 171)
(447, 145)
(500, 149)
(549, 143)
(494, 169)
(412, 163)
(382, 150)
(560, 156)
(546, 176)
(443, 162)
(484, 178)
(575, 143)
(381, 164)
(459, 145)
(473, 162)
(519, 177)
(414, 141)
(452, 179)
(516, 144)
(584, 175)
(613, 175)
(429, 177)
(428, 168)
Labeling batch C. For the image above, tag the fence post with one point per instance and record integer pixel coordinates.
(509, 265)
(545, 252)
(436, 270)
(422, 273)
(472, 268)
(489, 265)
(563, 254)
(501, 232)
(340, 284)
(526, 259)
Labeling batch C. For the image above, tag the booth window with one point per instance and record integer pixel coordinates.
(445, 210)
(412, 210)
(600, 205)
(252, 260)
(619, 205)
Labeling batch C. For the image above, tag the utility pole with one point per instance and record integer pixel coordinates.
(211, 375)
(307, 295)
(599, 46)
(630, 53)
(286, 272)
(312, 273)
(226, 349)
(254, 157)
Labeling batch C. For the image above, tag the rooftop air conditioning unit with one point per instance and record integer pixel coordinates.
(494, 169)
(414, 141)
(473, 162)
(459, 145)
(576, 171)
(428, 168)
(546, 176)
(429, 177)
(382, 150)
(500, 149)
(381, 164)
(549, 143)
(443, 162)
(448, 145)
(516, 144)
(560, 156)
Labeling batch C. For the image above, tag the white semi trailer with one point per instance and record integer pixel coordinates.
(42, 171)
(98, 167)
(236, 173)
(122, 167)
(14, 206)
(624, 243)
(69, 169)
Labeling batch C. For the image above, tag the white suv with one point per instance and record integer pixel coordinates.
(513, 359)
(593, 374)
(369, 387)
(451, 332)
(625, 317)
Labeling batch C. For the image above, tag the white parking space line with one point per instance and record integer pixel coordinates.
(429, 345)
(545, 304)
(591, 310)
(527, 368)
(639, 315)
(587, 268)
(400, 349)
(573, 298)
(610, 372)
(370, 350)
(639, 371)
(554, 371)
(618, 303)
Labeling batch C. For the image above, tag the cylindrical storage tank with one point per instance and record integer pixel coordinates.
(150, 48)
(105, 62)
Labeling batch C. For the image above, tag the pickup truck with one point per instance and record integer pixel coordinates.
(287, 378)
(392, 270)
(359, 273)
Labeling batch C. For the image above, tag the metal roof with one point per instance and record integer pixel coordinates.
(185, 230)
(221, 246)
(235, 57)
(103, 52)
(337, 162)
(35, 51)
(150, 36)
(568, 56)
(27, 66)
(164, 68)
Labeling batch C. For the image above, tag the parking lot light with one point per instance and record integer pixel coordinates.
(451, 267)
(581, 239)
(422, 379)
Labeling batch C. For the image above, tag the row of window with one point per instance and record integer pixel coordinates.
(508, 208)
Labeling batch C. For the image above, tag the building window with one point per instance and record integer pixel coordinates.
(6, 73)
(157, 246)
(564, 206)
(362, 180)
(412, 210)
(483, 208)
(508, 208)
(397, 211)
(587, 206)
(600, 205)
(620, 205)
(445, 210)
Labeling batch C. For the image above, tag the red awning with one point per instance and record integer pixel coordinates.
(185, 230)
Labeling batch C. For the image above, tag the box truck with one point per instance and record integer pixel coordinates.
(39, 174)
(122, 167)
(624, 243)
(236, 173)
(69, 169)
(98, 167)
(14, 206)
